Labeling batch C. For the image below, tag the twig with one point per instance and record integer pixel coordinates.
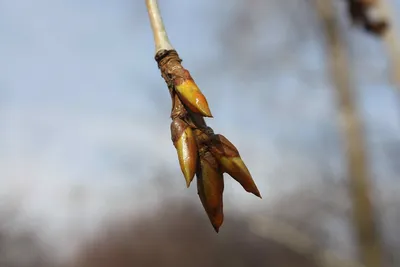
(157, 25)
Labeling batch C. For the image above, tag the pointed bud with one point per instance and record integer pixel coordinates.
(191, 95)
(185, 144)
(210, 187)
(231, 162)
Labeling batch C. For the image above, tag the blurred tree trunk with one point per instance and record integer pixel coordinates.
(358, 176)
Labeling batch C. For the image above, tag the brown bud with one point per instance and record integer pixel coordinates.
(185, 144)
(191, 96)
(229, 158)
(210, 187)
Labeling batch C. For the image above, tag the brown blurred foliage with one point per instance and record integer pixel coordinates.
(182, 237)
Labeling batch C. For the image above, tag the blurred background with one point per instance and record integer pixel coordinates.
(88, 172)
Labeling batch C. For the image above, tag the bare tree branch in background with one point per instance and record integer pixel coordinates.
(360, 13)
(364, 219)
(377, 17)
(200, 151)
(298, 241)
(391, 39)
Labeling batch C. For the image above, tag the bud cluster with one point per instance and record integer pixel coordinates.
(201, 153)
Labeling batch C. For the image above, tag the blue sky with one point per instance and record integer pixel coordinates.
(83, 107)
